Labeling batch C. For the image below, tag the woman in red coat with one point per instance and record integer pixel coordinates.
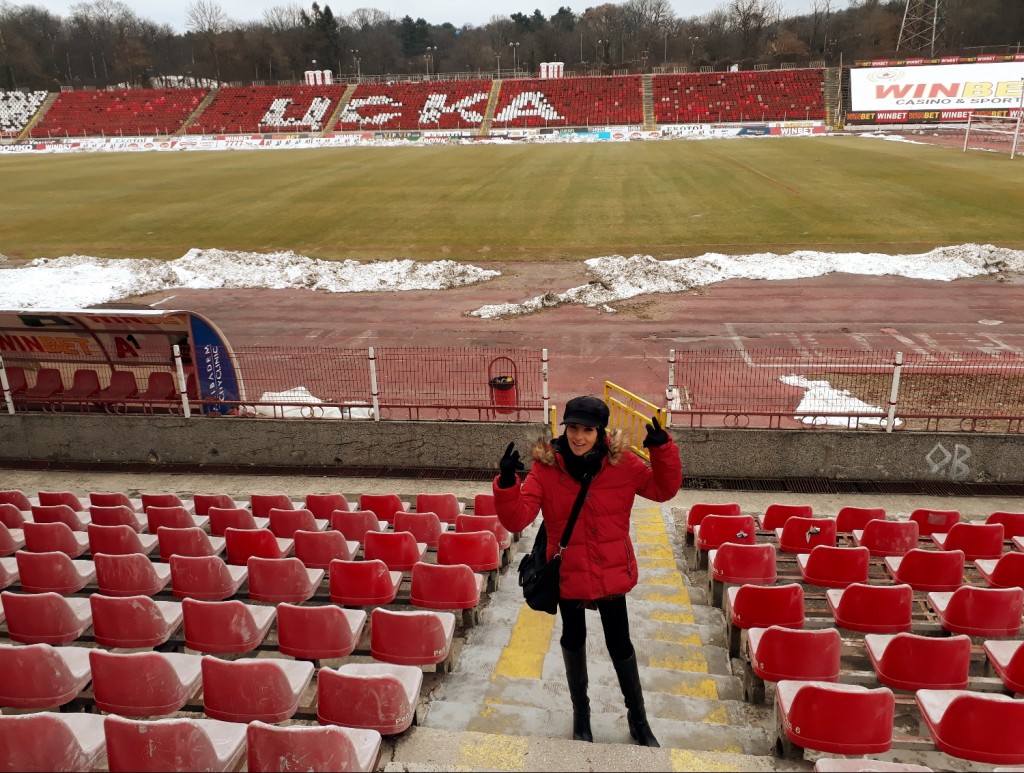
(599, 564)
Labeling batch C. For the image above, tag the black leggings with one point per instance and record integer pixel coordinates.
(614, 620)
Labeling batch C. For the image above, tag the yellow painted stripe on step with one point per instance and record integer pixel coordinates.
(681, 597)
(717, 716)
(656, 563)
(695, 688)
(655, 526)
(685, 759)
(680, 616)
(670, 636)
(694, 663)
(654, 551)
(494, 752)
(653, 538)
(666, 579)
(523, 656)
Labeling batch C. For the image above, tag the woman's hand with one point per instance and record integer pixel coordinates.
(510, 465)
(656, 436)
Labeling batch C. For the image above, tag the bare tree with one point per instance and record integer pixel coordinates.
(368, 18)
(282, 18)
(751, 19)
(207, 19)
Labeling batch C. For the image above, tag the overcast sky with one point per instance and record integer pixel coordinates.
(458, 12)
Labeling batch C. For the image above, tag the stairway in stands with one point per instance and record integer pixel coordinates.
(648, 83)
(210, 96)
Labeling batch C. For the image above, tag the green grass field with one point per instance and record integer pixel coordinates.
(501, 202)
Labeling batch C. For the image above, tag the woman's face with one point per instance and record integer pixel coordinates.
(581, 438)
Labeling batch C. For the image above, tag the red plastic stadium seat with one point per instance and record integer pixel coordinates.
(67, 498)
(906, 661)
(834, 567)
(273, 580)
(974, 726)
(152, 746)
(53, 572)
(371, 696)
(47, 741)
(851, 518)
(45, 618)
(483, 504)
(399, 550)
(872, 608)
(221, 627)
(284, 523)
(188, 542)
(17, 498)
(776, 515)
(114, 499)
(49, 385)
(164, 500)
(977, 540)
(16, 381)
(485, 523)
(272, 748)
(11, 540)
(363, 583)
(934, 521)
(926, 570)
(316, 549)
(801, 535)
(476, 549)
(248, 689)
(887, 538)
(739, 564)
(203, 502)
(132, 574)
(715, 530)
(117, 515)
(131, 622)
(1013, 523)
(207, 578)
(243, 544)
(172, 517)
(988, 612)
(119, 540)
(837, 718)
(38, 675)
(425, 527)
(11, 516)
(224, 518)
(762, 606)
(123, 386)
(1007, 571)
(1007, 659)
(445, 587)
(413, 638)
(76, 520)
(159, 389)
(354, 524)
(384, 505)
(778, 653)
(171, 680)
(8, 572)
(262, 504)
(700, 510)
(322, 505)
(447, 506)
(318, 633)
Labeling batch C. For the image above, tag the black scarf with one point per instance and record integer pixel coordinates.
(589, 463)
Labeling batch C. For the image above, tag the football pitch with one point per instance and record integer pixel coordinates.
(514, 202)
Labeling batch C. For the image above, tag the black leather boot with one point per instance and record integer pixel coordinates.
(576, 674)
(636, 714)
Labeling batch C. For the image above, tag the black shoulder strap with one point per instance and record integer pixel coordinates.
(576, 507)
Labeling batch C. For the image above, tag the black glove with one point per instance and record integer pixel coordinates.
(509, 464)
(656, 436)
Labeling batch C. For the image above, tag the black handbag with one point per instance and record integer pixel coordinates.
(539, 577)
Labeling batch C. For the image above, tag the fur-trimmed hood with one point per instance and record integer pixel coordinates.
(542, 451)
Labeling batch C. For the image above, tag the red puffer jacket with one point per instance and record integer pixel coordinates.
(599, 560)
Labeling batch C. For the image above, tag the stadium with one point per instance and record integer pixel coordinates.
(253, 403)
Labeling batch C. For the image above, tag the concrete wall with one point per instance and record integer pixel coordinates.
(168, 441)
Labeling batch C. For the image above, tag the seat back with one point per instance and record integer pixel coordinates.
(242, 544)
(889, 538)
(483, 504)
(761, 606)
(224, 518)
(836, 567)
(114, 515)
(262, 504)
(931, 570)
(11, 516)
(875, 608)
(912, 662)
(159, 387)
(285, 522)
(274, 580)
(477, 549)
(8, 543)
(191, 541)
(248, 689)
(52, 498)
(974, 726)
(322, 505)
(977, 540)
(741, 564)
(122, 386)
(203, 502)
(1008, 571)
(485, 523)
(991, 612)
(700, 510)
(218, 627)
(355, 523)
(58, 514)
(316, 549)
(271, 748)
(838, 718)
(46, 537)
(157, 745)
(776, 514)
(396, 549)
(934, 521)
(46, 618)
(160, 500)
(1013, 523)
(44, 572)
(384, 505)
(715, 530)
(201, 577)
(801, 535)
(128, 621)
(114, 540)
(36, 676)
(318, 633)
(110, 499)
(358, 583)
(84, 383)
(15, 497)
(446, 506)
(45, 740)
(16, 380)
(440, 586)
(171, 516)
(118, 689)
(130, 574)
(48, 384)
(852, 517)
(368, 695)
(416, 638)
(778, 653)
(424, 526)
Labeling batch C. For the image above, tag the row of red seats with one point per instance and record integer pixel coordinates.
(86, 389)
(415, 106)
(741, 96)
(130, 112)
(252, 109)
